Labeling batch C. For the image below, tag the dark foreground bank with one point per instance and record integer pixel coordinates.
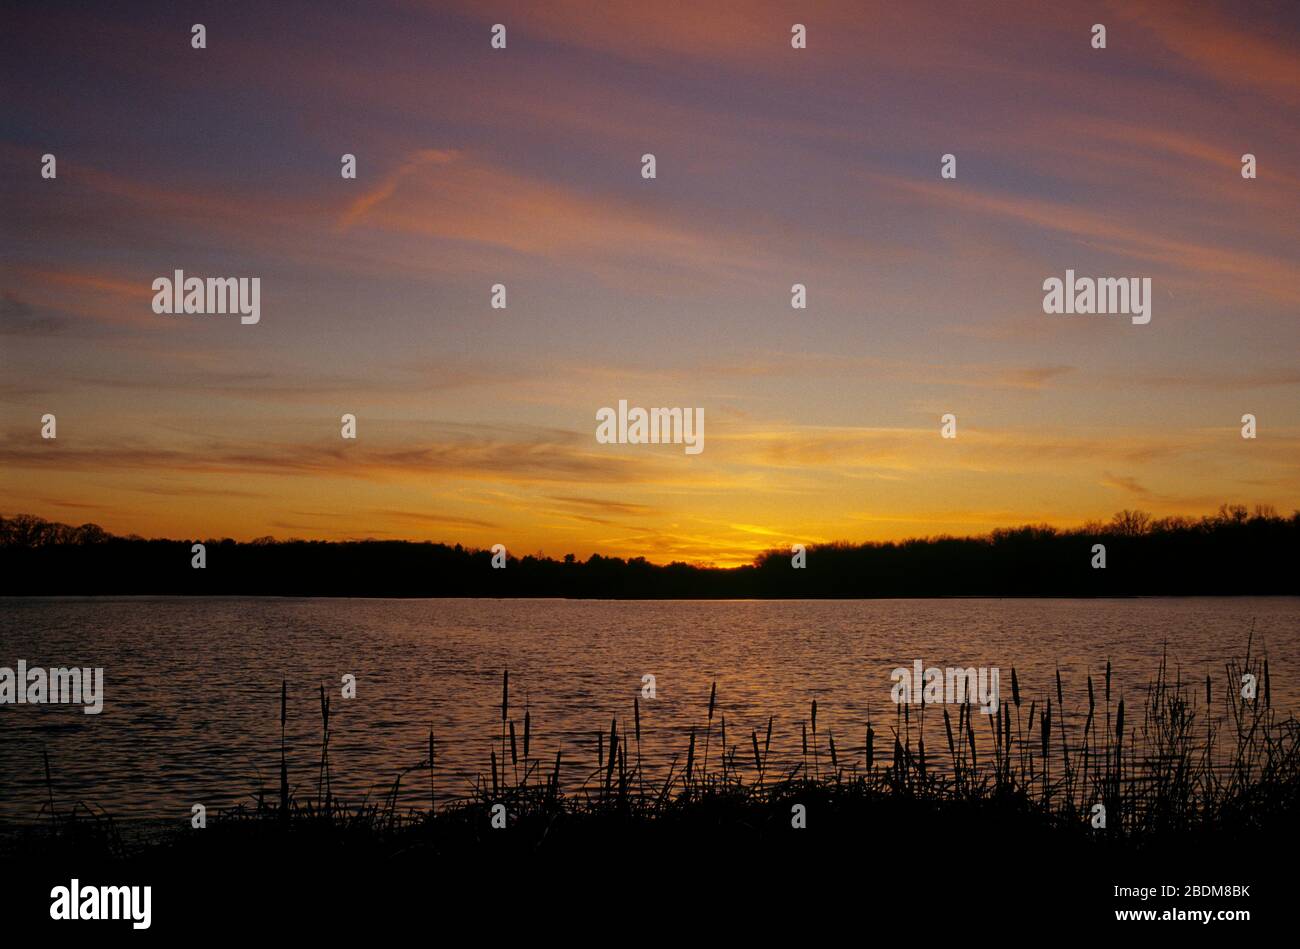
(885, 866)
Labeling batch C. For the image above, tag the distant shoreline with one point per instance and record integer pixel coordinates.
(1232, 553)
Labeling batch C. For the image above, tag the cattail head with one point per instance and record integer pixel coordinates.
(430, 746)
(713, 695)
(1207, 690)
(1107, 681)
(527, 731)
(514, 755)
(767, 742)
(1060, 700)
(324, 707)
(505, 693)
(1045, 727)
(690, 756)
(814, 716)
(1119, 725)
(613, 751)
(871, 746)
(1015, 687)
(804, 727)
(758, 761)
(1092, 703)
(830, 736)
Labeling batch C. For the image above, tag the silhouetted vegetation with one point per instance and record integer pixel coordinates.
(1230, 553)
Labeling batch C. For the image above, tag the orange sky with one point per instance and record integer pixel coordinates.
(522, 166)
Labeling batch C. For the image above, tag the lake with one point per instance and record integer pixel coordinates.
(192, 686)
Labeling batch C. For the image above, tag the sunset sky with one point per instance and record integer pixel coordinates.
(522, 166)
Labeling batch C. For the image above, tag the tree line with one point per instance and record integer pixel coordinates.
(1232, 552)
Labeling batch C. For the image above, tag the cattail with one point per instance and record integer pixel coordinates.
(830, 736)
(804, 727)
(324, 707)
(1030, 730)
(527, 729)
(1207, 690)
(514, 755)
(1108, 682)
(555, 775)
(600, 749)
(871, 746)
(1268, 700)
(713, 695)
(1092, 705)
(1060, 701)
(613, 751)
(947, 727)
(494, 772)
(636, 716)
(1015, 687)
(758, 762)
(767, 742)
(1045, 729)
(505, 693)
(724, 739)
(814, 716)
(690, 758)
(284, 765)
(432, 794)
(970, 737)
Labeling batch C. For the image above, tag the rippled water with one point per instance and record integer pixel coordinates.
(192, 686)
